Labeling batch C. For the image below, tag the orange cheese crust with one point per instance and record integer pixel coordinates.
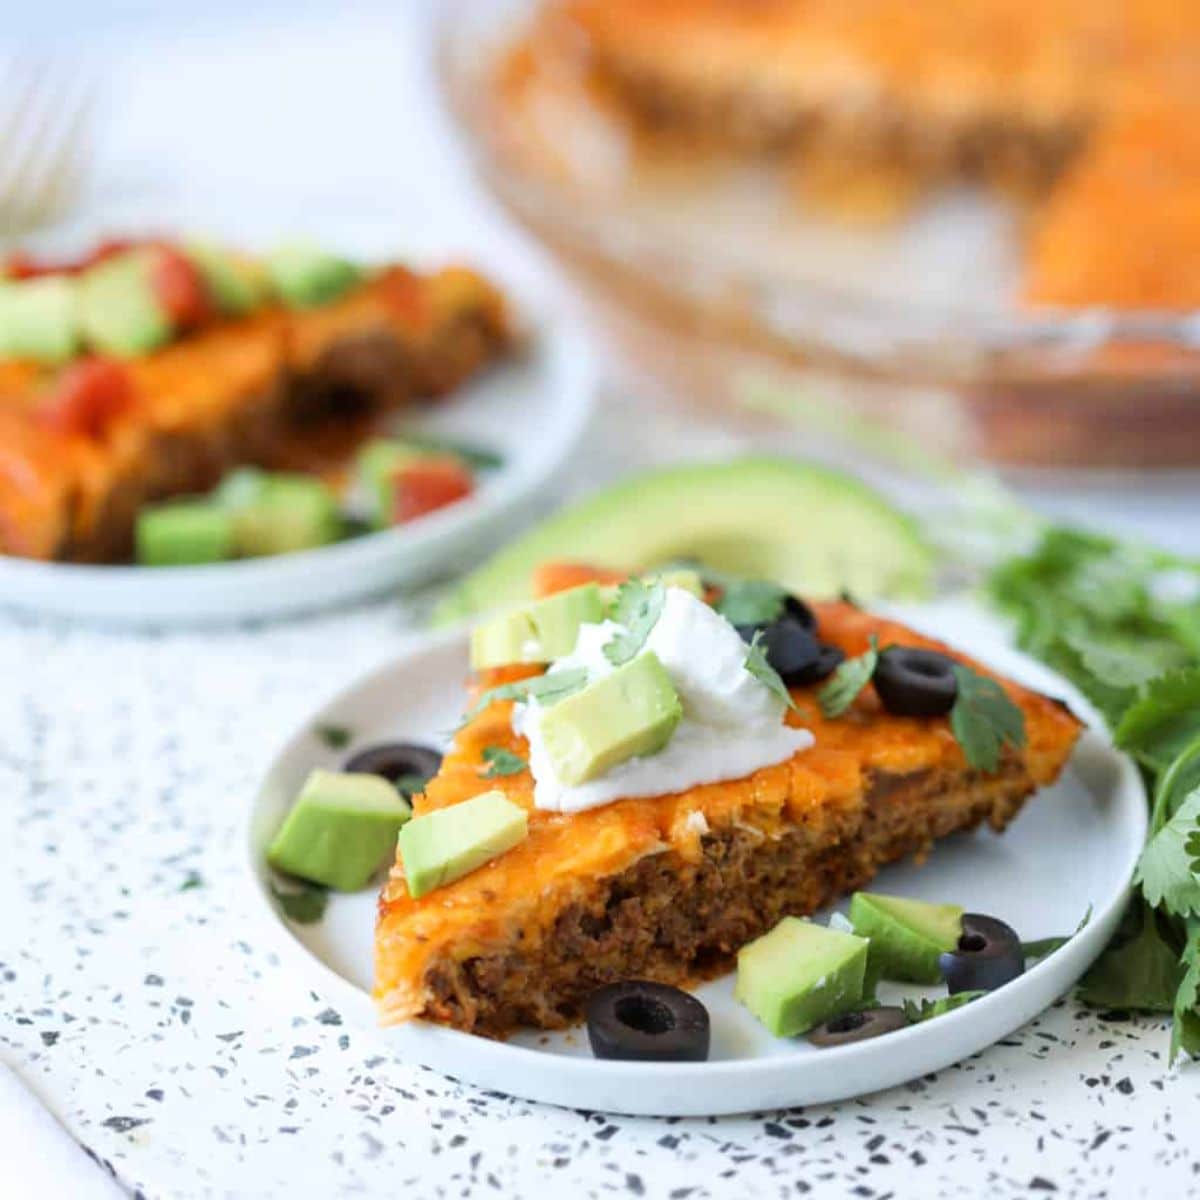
(510, 907)
(296, 389)
(872, 103)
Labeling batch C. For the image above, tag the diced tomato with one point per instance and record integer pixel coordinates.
(180, 289)
(87, 397)
(554, 577)
(20, 265)
(109, 248)
(428, 484)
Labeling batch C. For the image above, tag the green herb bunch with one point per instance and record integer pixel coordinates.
(1122, 623)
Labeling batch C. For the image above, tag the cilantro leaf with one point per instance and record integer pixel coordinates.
(1097, 611)
(305, 906)
(502, 762)
(756, 663)
(336, 737)
(984, 719)
(1043, 947)
(1166, 870)
(191, 881)
(1139, 970)
(546, 689)
(925, 1010)
(750, 601)
(848, 680)
(637, 607)
(1174, 786)
(1163, 720)
(409, 785)
(1185, 1023)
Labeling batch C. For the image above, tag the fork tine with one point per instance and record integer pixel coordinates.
(41, 147)
(19, 140)
(60, 159)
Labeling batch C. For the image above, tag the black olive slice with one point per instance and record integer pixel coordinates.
(403, 763)
(798, 611)
(790, 648)
(828, 659)
(988, 955)
(857, 1026)
(912, 682)
(647, 1022)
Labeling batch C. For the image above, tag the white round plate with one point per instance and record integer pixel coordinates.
(531, 411)
(1075, 844)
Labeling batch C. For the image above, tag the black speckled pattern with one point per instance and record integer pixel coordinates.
(192, 1064)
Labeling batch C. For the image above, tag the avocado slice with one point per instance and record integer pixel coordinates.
(341, 829)
(238, 283)
(378, 462)
(441, 846)
(815, 531)
(799, 975)
(627, 714)
(119, 312)
(907, 936)
(39, 319)
(305, 277)
(183, 532)
(538, 632)
(281, 513)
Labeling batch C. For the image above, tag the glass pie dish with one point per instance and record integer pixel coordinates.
(710, 282)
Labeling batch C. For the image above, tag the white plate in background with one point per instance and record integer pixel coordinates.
(1075, 844)
(532, 411)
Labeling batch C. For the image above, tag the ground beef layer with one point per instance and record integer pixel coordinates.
(676, 921)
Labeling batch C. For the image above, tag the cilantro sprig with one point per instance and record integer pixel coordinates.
(1044, 947)
(501, 762)
(304, 904)
(1122, 622)
(756, 663)
(637, 607)
(750, 601)
(916, 1011)
(984, 720)
(848, 680)
(546, 689)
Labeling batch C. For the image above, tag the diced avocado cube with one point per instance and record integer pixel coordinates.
(800, 974)
(305, 277)
(39, 319)
(627, 714)
(680, 577)
(241, 488)
(441, 846)
(119, 311)
(292, 512)
(238, 283)
(378, 462)
(539, 632)
(341, 829)
(690, 581)
(183, 532)
(907, 936)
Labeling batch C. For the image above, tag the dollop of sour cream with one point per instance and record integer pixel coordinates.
(732, 725)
